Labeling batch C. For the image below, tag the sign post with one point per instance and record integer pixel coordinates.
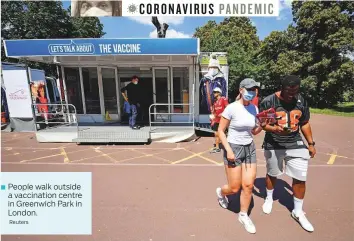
(29, 88)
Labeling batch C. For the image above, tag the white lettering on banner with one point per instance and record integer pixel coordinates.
(120, 48)
(72, 48)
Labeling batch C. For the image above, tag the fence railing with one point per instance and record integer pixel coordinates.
(159, 116)
(57, 115)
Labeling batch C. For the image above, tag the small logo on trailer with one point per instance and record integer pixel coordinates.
(18, 95)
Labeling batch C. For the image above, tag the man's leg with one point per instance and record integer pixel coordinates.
(130, 119)
(134, 115)
(299, 188)
(296, 167)
(274, 159)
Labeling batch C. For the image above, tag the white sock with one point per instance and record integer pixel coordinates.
(219, 192)
(298, 205)
(270, 194)
(243, 214)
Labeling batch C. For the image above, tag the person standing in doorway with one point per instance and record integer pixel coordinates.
(220, 103)
(134, 93)
(283, 143)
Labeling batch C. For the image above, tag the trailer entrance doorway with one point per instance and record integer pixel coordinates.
(145, 82)
(162, 93)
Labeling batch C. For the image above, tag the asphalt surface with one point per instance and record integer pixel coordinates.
(167, 191)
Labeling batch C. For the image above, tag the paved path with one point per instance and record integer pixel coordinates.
(167, 191)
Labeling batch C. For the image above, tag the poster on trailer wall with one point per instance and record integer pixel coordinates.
(39, 90)
(210, 78)
(17, 93)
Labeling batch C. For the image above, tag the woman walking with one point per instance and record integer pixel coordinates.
(239, 118)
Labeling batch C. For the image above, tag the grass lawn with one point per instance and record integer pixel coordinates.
(344, 109)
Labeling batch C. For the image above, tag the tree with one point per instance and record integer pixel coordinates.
(238, 37)
(280, 53)
(326, 30)
(43, 20)
(316, 47)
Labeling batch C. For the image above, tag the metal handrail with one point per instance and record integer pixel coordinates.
(191, 112)
(64, 112)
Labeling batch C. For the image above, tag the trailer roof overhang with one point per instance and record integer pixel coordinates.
(61, 50)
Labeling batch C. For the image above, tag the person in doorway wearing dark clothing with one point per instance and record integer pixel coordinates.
(134, 93)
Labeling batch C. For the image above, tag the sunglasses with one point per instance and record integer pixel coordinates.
(251, 89)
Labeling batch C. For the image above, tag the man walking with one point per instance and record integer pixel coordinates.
(134, 93)
(220, 103)
(283, 142)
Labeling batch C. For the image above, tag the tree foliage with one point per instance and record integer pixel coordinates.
(238, 37)
(43, 20)
(315, 47)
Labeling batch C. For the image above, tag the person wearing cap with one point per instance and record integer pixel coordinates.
(214, 78)
(283, 143)
(239, 150)
(219, 106)
(255, 100)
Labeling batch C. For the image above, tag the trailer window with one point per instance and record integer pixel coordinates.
(50, 91)
(181, 89)
(73, 88)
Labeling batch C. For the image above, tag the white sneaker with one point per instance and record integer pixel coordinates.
(223, 201)
(267, 206)
(247, 223)
(302, 220)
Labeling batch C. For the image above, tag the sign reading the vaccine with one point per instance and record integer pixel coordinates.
(99, 47)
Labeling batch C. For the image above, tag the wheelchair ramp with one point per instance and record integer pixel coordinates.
(112, 134)
(172, 134)
(204, 127)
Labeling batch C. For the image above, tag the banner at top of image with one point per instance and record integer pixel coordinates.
(251, 8)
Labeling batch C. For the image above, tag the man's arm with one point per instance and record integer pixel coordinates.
(265, 125)
(306, 128)
(307, 132)
(122, 90)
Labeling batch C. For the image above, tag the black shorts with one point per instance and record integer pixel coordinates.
(215, 127)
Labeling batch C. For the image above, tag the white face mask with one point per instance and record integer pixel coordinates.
(96, 12)
(135, 82)
(213, 71)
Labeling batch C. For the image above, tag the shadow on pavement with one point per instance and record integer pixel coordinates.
(234, 203)
(282, 192)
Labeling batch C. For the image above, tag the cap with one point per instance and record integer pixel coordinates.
(214, 63)
(217, 89)
(290, 80)
(249, 83)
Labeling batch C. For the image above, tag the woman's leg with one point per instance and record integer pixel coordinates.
(233, 185)
(248, 176)
(234, 180)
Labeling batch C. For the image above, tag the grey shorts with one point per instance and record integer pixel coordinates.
(296, 162)
(243, 154)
